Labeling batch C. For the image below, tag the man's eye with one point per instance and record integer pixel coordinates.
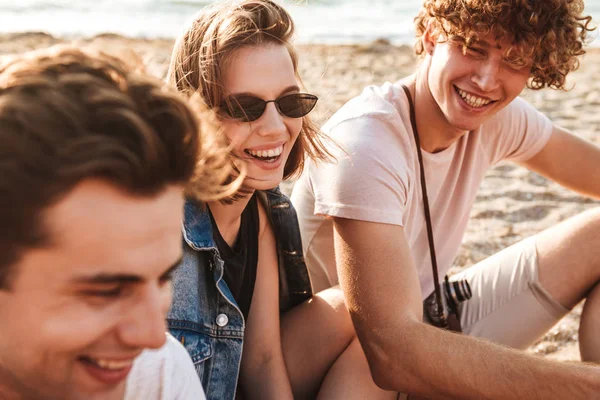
(474, 51)
(167, 277)
(515, 64)
(104, 293)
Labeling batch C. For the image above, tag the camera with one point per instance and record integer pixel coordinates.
(456, 292)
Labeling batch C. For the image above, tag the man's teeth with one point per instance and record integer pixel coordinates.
(266, 153)
(111, 364)
(473, 100)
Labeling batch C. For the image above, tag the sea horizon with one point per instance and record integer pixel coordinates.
(319, 21)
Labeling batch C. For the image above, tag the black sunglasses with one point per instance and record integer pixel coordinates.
(248, 108)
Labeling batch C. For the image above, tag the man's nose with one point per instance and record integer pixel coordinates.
(144, 326)
(486, 77)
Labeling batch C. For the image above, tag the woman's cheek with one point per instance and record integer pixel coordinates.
(236, 134)
(296, 128)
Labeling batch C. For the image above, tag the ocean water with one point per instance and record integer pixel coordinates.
(318, 21)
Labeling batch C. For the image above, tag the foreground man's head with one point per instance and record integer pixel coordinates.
(93, 163)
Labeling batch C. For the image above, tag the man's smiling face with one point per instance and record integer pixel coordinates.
(79, 310)
(471, 85)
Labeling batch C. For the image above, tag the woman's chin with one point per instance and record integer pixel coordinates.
(262, 183)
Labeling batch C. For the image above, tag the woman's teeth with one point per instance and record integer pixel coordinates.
(473, 100)
(266, 154)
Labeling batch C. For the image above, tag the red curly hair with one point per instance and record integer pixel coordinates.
(548, 34)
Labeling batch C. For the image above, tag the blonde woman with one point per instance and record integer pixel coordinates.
(243, 304)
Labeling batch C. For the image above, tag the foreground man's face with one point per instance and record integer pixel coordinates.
(81, 309)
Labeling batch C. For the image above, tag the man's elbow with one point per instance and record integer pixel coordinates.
(379, 365)
(390, 363)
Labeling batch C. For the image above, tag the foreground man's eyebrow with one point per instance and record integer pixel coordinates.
(107, 278)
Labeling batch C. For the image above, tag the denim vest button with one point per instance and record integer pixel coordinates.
(222, 320)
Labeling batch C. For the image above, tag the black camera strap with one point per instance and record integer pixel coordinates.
(451, 322)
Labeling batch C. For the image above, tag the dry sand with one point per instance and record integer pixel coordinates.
(512, 203)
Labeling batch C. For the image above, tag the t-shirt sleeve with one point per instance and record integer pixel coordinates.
(369, 182)
(516, 133)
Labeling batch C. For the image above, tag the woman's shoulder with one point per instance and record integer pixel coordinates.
(264, 224)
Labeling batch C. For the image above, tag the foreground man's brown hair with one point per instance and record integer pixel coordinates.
(67, 114)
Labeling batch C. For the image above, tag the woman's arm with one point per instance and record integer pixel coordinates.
(263, 374)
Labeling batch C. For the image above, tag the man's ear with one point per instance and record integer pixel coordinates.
(429, 38)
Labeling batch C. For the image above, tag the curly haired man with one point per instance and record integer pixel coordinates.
(367, 212)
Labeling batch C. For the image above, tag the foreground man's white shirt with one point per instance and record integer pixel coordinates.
(164, 374)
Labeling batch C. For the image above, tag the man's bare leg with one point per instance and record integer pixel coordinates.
(589, 339)
(569, 269)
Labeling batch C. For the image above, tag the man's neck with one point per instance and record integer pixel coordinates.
(435, 132)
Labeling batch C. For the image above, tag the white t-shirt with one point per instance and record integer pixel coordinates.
(164, 374)
(378, 180)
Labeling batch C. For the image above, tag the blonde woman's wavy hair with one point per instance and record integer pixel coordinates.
(200, 54)
(548, 33)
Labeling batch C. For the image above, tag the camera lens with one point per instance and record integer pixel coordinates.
(462, 290)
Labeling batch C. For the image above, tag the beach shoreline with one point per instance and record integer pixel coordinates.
(512, 203)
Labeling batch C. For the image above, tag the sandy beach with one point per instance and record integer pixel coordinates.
(512, 203)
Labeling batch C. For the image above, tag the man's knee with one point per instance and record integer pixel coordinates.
(590, 216)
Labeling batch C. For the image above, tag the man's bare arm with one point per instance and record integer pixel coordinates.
(570, 161)
(383, 296)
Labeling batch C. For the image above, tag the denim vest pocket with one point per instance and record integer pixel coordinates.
(197, 345)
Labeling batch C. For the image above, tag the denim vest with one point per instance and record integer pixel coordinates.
(204, 315)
